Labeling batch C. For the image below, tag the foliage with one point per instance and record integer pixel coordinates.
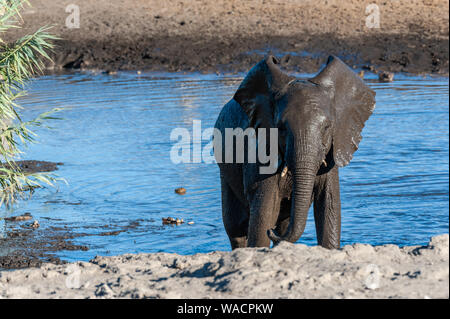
(19, 61)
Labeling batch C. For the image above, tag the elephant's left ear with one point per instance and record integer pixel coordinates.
(354, 102)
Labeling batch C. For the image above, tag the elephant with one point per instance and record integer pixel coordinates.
(319, 123)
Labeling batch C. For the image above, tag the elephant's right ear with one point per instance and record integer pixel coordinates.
(256, 92)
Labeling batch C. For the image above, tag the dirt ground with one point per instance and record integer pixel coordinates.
(286, 271)
(230, 35)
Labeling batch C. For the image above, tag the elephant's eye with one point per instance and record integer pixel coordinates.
(326, 136)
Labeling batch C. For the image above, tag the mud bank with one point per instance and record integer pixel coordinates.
(230, 36)
(286, 271)
(23, 246)
(33, 166)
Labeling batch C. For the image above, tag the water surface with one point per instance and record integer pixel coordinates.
(115, 144)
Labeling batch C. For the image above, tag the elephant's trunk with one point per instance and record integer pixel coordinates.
(304, 174)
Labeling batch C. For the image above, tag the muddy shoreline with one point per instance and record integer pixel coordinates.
(357, 53)
(223, 36)
(23, 246)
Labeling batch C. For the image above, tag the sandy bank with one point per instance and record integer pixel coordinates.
(287, 271)
(223, 35)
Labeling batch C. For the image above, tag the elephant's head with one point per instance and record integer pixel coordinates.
(319, 121)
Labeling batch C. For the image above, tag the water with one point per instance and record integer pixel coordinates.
(115, 143)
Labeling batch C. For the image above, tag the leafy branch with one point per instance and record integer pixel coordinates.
(19, 61)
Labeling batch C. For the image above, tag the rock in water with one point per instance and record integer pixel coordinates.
(35, 224)
(386, 76)
(21, 218)
(180, 190)
(172, 221)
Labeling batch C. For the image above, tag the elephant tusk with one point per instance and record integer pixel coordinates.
(324, 163)
(284, 171)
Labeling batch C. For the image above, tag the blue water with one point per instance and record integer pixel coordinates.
(115, 144)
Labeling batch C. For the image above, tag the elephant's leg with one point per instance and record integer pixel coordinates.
(264, 209)
(235, 217)
(327, 209)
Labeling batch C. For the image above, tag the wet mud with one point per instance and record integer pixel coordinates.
(33, 166)
(228, 36)
(22, 246)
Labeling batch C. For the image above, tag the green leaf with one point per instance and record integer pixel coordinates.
(19, 61)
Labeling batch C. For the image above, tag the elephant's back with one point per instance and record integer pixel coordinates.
(231, 116)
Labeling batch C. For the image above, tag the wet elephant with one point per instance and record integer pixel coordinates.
(319, 123)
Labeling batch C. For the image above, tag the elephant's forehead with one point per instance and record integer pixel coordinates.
(306, 101)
